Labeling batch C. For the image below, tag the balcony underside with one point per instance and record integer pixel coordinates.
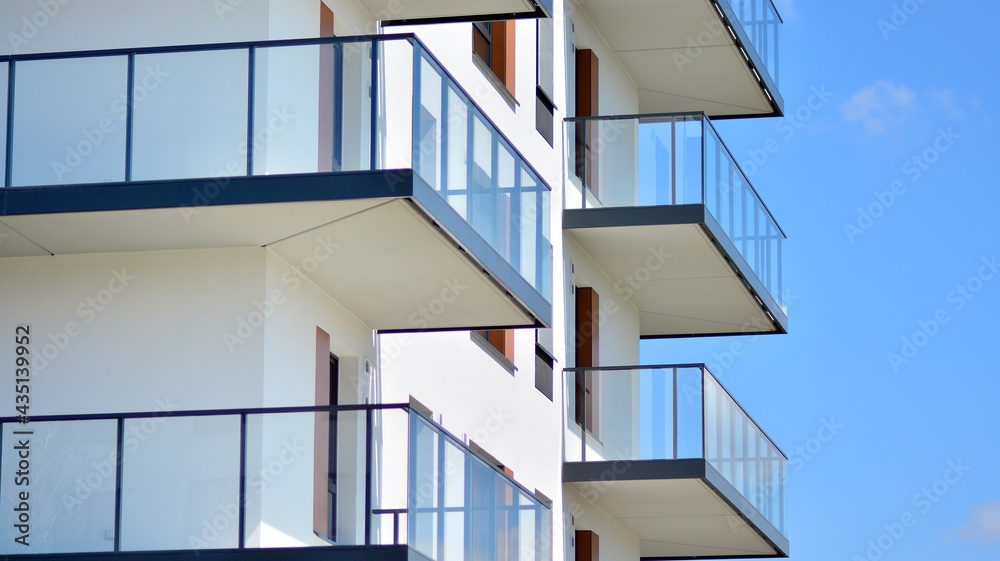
(332, 553)
(380, 243)
(682, 57)
(677, 509)
(678, 268)
(426, 11)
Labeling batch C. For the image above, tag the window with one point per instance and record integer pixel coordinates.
(499, 343)
(493, 46)
(543, 370)
(482, 40)
(545, 81)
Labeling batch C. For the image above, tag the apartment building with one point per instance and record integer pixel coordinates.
(367, 279)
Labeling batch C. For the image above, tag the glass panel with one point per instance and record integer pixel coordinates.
(544, 277)
(392, 472)
(457, 138)
(621, 143)
(656, 413)
(689, 177)
(181, 477)
(312, 108)
(690, 415)
(71, 487)
(460, 507)
(455, 516)
(760, 22)
(506, 212)
(397, 90)
(294, 109)
(193, 124)
(353, 108)
(428, 135)
(425, 506)
(4, 69)
(69, 120)
(657, 173)
(483, 187)
(528, 224)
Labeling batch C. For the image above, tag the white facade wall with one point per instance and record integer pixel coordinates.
(177, 330)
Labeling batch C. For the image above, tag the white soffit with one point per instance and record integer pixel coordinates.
(676, 277)
(679, 518)
(680, 56)
(390, 10)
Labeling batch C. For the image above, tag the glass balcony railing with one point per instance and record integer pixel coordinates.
(672, 413)
(667, 160)
(280, 107)
(761, 22)
(251, 479)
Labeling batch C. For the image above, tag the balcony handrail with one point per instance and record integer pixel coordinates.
(260, 411)
(369, 512)
(250, 45)
(204, 413)
(631, 367)
(701, 366)
(633, 116)
(235, 45)
(705, 119)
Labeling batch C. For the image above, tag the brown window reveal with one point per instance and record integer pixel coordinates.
(322, 507)
(587, 105)
(587, 546)
(326, 91)
(588, 305)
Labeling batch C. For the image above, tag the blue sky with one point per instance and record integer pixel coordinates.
(913, 471)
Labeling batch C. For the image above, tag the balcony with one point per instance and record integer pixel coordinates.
(363, 149)
(716, 56)
(391, 12)
(662, 207)
(670, 455)
(239, 484)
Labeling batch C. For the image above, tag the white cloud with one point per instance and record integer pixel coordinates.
(880, 106)
(984, 524)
